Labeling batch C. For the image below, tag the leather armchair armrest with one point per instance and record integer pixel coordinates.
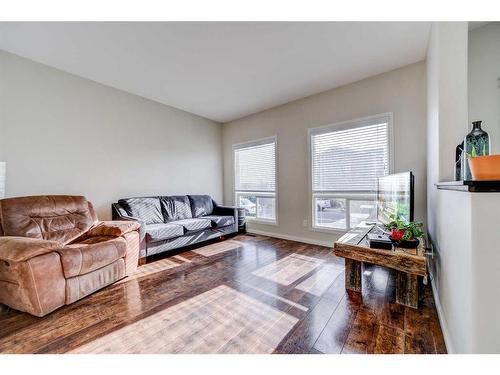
(113, 228)
(31, 274)
(19, 249)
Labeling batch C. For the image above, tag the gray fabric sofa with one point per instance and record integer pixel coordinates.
(173, 222)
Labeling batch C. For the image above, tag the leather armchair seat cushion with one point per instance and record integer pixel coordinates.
(176, 208)
(147, 209)
(201, 205)
(91, 254)
(159, 232)
(195, 224)
(114, 228)
(220, 221)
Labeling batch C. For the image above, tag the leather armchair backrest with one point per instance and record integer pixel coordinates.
(93, 215)
(59, 218)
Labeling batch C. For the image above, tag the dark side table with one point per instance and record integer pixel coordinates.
(408, 263)
(242, 225)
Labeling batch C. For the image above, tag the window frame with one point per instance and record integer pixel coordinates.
(344, 125)
(235, 194)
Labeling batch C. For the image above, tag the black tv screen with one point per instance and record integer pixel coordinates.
(395, 195)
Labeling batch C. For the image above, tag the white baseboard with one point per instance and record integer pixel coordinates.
(291, 238)
(442, 319)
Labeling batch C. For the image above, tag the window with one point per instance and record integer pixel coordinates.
(346, 160)
(255, 179)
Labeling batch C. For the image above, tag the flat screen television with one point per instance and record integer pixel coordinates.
(395, 193)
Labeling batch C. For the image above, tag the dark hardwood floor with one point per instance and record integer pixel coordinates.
(244, 295)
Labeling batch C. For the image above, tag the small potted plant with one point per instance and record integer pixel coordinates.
(405, 234)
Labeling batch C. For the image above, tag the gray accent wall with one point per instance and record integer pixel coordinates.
(401, 91)
(62, 134)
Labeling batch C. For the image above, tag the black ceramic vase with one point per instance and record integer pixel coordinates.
(458, 162)
(476, 143)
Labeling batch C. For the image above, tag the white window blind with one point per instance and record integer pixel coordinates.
(255, 179)
(346, 161)
(256, 167)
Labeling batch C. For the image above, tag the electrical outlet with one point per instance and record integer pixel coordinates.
(431, 253)
(304, 222)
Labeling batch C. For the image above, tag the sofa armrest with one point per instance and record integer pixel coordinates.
(19, 249)
(227, 211)
(114, 228)
(118, 214)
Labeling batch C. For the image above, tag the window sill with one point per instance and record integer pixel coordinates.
(326, 230)
(261, 221)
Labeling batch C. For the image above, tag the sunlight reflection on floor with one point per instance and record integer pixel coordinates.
(289, 269)
(221, 320)
(218, 248)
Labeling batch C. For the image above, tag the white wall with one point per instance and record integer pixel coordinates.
(484, 104)
(485, 246)
(432, 129)
(61, 134)
(469, 262)
(448, 216)
(452, 268)
(401, 91)
(484, 80)
(446, 105)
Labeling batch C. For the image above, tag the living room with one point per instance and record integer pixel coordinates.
(249, 187)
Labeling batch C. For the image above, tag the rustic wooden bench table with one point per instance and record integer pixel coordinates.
(408, 263)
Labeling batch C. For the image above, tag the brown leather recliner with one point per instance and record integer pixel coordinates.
(54, 251)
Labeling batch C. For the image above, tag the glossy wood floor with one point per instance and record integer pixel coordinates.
(244, 295)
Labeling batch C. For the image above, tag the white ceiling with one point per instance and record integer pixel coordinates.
(221, 71)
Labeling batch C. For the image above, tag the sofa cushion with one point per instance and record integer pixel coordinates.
(201, 205)
(91, 254)
(220, 221)
(165, 231)
(147, 209)
(195, 224)
(176, 208)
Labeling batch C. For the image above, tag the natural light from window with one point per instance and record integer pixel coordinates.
(255, 179)
(346, 160)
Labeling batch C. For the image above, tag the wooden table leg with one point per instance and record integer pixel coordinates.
(142, 253)
(353, 275)
(407, 289)
(142, 261)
